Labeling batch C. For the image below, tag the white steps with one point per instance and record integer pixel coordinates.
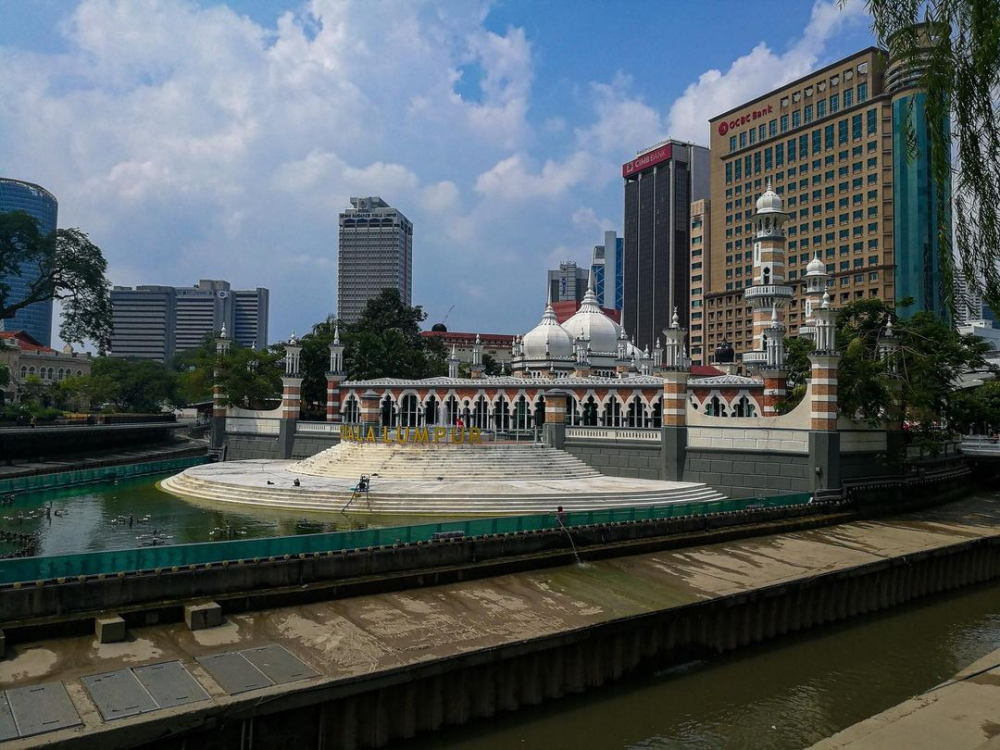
(431, 480)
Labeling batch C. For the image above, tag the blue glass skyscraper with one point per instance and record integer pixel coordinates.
(917, 199)
(39, 203)
(607, 266)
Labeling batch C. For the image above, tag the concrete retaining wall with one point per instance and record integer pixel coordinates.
(369, 712)
(244, 447)
(309, 445)
(748, 473)
(639, 460)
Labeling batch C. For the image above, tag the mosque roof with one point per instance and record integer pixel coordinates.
(636, 381)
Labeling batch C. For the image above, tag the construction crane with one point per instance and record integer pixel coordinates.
(447, 314)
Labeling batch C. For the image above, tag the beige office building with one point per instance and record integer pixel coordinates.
(825, 144)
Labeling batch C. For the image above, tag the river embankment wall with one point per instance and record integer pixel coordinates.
(666, 609)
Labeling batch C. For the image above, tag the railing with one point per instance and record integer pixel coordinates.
(325, 428)
(770, 290)
(41, 482)
(252, 426)
(113, 562)
(981, 445)
(614, 434)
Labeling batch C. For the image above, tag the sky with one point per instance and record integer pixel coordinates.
(202, 139)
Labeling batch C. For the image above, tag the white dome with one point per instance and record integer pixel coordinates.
(591, 324)
(547, 339)
(816, 267)
(769, 202)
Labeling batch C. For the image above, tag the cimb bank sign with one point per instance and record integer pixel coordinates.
(726, 125)
(647, 160)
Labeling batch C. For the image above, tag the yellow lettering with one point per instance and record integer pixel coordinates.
(475, 435)
(420, 436)
(371, 435)
(440, 433)
(385, 435)
(357, 434)
(457, 435)
(402, 436)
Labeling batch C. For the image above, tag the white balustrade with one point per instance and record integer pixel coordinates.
(252, 426)
(326, 428)
(613, 434)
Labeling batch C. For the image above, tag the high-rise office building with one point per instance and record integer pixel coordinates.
(701, 269)
(375, 253)
(568, 283)
(608, 267)
(40, 204)
(660, 185)
(833, 146)
(157, 322)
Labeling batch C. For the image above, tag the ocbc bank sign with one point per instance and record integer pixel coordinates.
(726, 125)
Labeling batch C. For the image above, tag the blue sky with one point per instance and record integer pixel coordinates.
(209, 139)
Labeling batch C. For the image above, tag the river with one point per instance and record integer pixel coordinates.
(788, 693)
(96, 517)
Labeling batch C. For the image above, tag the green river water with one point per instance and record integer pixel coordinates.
(788, 693)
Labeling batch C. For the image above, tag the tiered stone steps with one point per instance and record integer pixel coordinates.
(431, 480)
(466, 463)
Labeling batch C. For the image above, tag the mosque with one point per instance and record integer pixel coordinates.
(610, 382)
(582, 379)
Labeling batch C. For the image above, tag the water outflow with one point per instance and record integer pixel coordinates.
(571, 542)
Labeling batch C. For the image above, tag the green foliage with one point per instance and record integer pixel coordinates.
(962, 78)
(130, 385)
(314, 362)
(386, 342)
(797, 365)
(919, 383)
(976, 409)
(251, 379)
(70, 269)
(490, 366)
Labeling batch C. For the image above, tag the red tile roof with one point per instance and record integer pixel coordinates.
(567, 309)
(505, 338)
(705, 371)
(26, 342)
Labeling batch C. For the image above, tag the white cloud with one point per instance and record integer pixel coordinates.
(586, 218)
(512, 179)
(624, 121)
(757, 72)
(191, 142)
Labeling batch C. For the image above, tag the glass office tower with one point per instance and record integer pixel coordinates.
(36, 201)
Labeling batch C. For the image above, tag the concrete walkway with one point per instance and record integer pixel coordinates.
(351, 641)
(960, 714)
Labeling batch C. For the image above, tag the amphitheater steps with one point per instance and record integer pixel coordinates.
(350, 460)
(431, 505)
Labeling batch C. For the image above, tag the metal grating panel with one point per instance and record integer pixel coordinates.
(234, 673)
(118, 694)
(278, 664)
(42, 708)
(170, 684)
(8, 729)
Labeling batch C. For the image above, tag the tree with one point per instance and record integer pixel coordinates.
(798, 366)
(250, 378)
(386, 342)
(314, 363)
(976, 409)
(919, 383)
(69, 268)
(130, 385)
(961, 77)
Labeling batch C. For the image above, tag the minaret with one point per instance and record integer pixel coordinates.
(334, 377)
(769, 294)
(453, 363)
(477, 368)
(817, 280)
